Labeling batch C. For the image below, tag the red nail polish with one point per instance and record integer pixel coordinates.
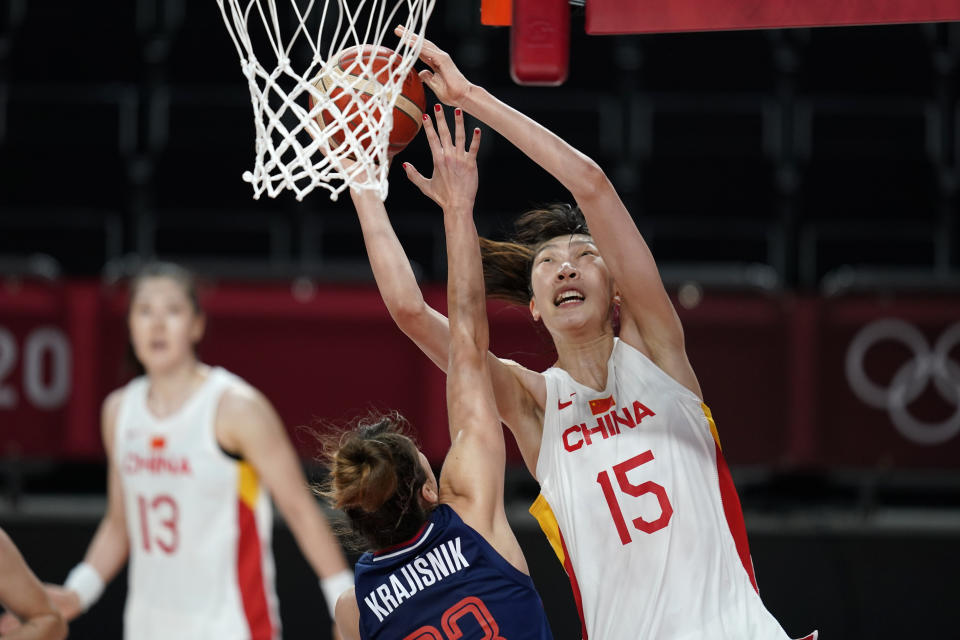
(425, 117)
(437, 108)
(458, 112)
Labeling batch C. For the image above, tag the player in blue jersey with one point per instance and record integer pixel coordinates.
(444, 562)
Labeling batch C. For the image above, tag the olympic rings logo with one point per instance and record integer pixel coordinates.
(927, 365)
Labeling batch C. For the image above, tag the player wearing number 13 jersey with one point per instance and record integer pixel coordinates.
(199, 522)
(194, 454)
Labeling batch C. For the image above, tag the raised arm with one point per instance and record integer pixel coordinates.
(472, 477)
(426, 326)
(649, 321)
(248, 425)
(520, 393)
(23, 595)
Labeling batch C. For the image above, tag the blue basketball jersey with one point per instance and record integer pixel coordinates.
(447, 582)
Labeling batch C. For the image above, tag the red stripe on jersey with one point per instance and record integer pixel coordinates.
(253, 592)
(405, 543)
(734, 514)
(568, 566)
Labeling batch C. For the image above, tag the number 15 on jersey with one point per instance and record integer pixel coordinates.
(626, 486)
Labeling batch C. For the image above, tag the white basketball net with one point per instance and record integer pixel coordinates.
(293, 149)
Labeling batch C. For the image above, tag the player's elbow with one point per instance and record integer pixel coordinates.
(407, 313)
(591, 180)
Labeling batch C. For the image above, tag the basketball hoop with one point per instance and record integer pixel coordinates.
(307, 136)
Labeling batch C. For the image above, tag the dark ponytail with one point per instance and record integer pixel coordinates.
(507, 265)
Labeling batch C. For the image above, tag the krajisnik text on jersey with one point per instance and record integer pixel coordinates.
(417, 575)
(446, 582)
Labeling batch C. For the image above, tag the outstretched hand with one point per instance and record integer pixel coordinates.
(443, 78)
(454, 180)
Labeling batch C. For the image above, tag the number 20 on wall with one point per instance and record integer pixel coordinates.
(46, 368)
(620, 472)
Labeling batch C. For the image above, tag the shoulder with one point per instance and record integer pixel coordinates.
(516, 368)
(111, 404)
(347, 599)
(531, 381)
(244, 417)
(242, 401)
(109, 411)
(673, 364)
(347, 614)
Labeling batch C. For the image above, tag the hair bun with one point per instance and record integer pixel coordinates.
(375, 477)
(364, 474)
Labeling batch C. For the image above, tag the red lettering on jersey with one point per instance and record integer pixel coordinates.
(566, 443)
(608, 424)
(641, 411)
(610, 428)
(134, 463)
(626, 420)
(599, 428)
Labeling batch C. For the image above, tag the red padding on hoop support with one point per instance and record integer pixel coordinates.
(540, 42)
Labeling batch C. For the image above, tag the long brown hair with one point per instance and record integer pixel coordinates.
(507, 264)
(375, 478)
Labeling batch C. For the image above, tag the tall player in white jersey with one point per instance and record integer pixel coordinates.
(194, 454)
(635, 495)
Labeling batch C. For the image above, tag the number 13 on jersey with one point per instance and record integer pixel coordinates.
(158, 523)
(620, 472)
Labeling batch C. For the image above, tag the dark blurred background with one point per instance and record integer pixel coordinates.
(798, 189)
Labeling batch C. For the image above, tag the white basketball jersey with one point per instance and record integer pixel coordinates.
(198, 522)
(639, 506)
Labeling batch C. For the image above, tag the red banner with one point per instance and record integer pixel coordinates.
(791, 380)
(658, 16)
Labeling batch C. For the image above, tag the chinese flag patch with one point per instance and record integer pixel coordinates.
(602, 405)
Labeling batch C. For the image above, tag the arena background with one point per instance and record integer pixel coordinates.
(796, 186)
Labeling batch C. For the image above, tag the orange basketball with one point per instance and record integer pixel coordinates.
(340, 87)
